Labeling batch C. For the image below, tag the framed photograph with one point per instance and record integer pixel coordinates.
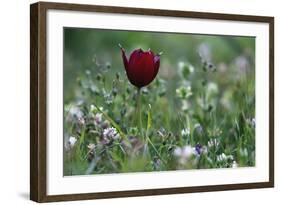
(134, 102)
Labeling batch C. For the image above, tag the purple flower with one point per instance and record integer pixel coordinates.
(198, 149)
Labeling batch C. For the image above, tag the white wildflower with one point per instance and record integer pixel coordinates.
(184, 154)
(212, 89)
(94, 109)
(177, 152)
(91, 148)
(98, 119)
(185, 132)
(110, 133)
(243, 152)
(188, 151)
(234, 164)
(76, 112)
(185, 69)
(223, 157)
(213, 143)
(81, 120)
(72, 141)
(251, 122)
(184, 92)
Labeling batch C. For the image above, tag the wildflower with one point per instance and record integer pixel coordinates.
(251, 122)
(94, 109)
(75, 112)
(234, 164)
(213, 143)
(109, 134)
(184, 92)
(178, 152)
(70, 143)
(91, 148)
(198, 149)
(91, 153)
(98, 119)
(185, 69)
(185, 132)
(184, 154)
(81, 121)
(212, 89)
(142, 66)
(243, 152)
(223, 157)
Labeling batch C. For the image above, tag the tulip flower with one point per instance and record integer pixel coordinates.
(142, 66)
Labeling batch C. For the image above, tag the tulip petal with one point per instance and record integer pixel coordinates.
(148, 72)
(125, 60)
(156, 64)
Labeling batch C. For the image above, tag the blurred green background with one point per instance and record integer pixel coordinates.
(82, 46)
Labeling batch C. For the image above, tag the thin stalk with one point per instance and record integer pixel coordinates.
(155, 150)
(139, 111)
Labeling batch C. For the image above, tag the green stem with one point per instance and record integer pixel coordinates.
(155, 150)
(139, 111)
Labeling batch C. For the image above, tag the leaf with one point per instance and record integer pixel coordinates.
(148, 120)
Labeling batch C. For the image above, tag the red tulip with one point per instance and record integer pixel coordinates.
(142, 67)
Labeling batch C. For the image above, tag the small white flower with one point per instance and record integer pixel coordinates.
(184, 92)
(213, 143)
(243, 152)
(185, 132)
(97, 119)
(212, 89)
(177, 152)
(110, 133)
(188, 152)
(181, 64)
(75, 112)
(185, 68)
(71, 141)
(81, 120)
(93, 108)
(91, 148)
(234, 164)
(184, 153)
(251, 122)
(223, 157)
